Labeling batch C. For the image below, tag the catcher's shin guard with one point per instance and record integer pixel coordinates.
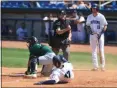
(33, 65)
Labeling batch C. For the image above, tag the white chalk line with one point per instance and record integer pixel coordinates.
(81, 69)
(11, 81)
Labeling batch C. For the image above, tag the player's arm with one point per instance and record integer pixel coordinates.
(59, 31)
(45, 82)
(81, 20)
(105, 27)
(104, 22)
(103, 30)
(70, 35)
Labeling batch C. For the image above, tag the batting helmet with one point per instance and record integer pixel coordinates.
(32, 40)
(57, 60)
(95, 6)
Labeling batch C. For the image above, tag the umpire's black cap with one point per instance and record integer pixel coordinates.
(62, 12)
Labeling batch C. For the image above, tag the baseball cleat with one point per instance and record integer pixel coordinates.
(102, 69)
(94, 69)
(31, 76)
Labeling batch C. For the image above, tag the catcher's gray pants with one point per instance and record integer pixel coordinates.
(46, 59)
(65, 49)
(43, 60)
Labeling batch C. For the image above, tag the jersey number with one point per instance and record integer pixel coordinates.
(67, 74)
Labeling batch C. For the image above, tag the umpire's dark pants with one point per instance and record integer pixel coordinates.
(65, 49)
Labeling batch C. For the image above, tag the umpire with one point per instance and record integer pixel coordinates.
(62, 35)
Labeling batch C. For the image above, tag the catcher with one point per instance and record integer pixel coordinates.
(62, 72)
(39, 54)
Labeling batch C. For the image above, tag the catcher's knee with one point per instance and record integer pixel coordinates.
(46, 70)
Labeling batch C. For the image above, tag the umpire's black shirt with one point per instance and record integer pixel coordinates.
(62, 24)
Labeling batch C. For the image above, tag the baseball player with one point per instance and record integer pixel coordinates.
(39, 54)
(62, 71)
(97, 25)
(62, 35)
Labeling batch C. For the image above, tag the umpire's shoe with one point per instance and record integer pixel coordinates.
(31, 75)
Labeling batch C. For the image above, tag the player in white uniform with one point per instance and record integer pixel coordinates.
(62, 72)
(98, 24)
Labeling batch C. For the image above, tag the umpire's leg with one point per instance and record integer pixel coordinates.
(55, 50)
(66, 52)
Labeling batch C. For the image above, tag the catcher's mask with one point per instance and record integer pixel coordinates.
(32, 40)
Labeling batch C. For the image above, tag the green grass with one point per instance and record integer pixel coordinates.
(19, 58)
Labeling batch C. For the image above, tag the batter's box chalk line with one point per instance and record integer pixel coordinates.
(14, 74)
(12, 81)
(81, 69)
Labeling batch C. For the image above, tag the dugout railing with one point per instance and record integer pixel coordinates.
(110, 34)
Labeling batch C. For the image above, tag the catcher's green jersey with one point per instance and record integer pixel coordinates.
(39, 50)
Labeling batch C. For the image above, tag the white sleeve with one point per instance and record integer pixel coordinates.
(81, 19)
(88, 21)
(103, 21)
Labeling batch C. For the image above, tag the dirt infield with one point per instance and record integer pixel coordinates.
(13, 77)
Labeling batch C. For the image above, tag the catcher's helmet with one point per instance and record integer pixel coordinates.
(95, 6)
(32, 40)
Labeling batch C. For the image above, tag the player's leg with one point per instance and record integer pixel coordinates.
(101, 50)
(28, 72)
(66, 52)
(47, 69)
(93, 44)
(46, 60)
(28, 68)
(74, 37)
(56, 75)
(33, 67)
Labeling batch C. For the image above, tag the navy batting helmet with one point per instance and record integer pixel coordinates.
(95, 6)
(58, 59)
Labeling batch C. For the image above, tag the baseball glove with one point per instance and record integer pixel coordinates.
(89, 31)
